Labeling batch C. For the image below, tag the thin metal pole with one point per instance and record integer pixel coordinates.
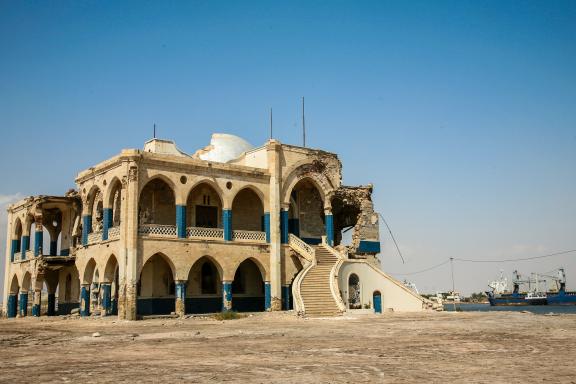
(453, 289)
(154, 130)
(303, 124)
(270, 123)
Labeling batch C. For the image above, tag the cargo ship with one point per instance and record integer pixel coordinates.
(500, 296)
(562, 297)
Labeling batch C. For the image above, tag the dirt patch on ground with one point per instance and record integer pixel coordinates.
(493, 347)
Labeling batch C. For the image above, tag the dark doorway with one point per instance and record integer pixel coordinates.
(206, 216)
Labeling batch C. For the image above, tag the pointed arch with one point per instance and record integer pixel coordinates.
(110, 269)
(204, 205)
(89, 270)
(157, 202)
(156, 288)
(247, 210)
(14, 285)
(26, 282)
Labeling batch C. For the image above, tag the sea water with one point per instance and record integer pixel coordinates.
(539, 309)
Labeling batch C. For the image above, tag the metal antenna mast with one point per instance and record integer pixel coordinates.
(303, 124)
(453, 289)
(270, 123)
(154, 130)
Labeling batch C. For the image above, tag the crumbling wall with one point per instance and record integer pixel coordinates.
(353, 207)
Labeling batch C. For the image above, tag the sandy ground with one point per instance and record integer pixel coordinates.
(496, 347)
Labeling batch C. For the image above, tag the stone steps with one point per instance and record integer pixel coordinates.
(315, 288)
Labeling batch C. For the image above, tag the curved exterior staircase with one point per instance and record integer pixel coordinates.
(315, 289)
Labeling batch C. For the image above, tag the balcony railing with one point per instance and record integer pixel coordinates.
(94, 237)
(205, 233)
(113, 233)
(160, 230)
(252, 236)
(201, 233)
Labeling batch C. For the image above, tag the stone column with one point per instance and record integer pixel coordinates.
(181, 221)
(329, 222)
(180, 297)
(86, 227)
(284, 225)
(8, 259)
(37, 299)
(127, 305)
(273, 149)
(106, 222)
(226, 296)
(23, 303)
(267, 226)
(38, 239)
(12, 309)
(25, 246)
(267, 296)
(286, 297)
(227, 224)
(85, 300)
(106, 298)
(66, 232)
(51, 304)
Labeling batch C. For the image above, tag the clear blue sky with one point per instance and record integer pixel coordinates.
(462, 113)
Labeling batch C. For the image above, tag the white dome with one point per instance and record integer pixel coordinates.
(224, 147)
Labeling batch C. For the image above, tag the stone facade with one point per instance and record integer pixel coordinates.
(157, 231)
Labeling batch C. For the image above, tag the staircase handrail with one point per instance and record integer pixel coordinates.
(296, 286)
(305, 250)
(309, 255)
(334, 286)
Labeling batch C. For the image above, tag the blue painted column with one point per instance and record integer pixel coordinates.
(227, 224)
(51, 304)
(85, 300)
(286, 295)
(181, 221)
(284, 226)
(106, 222)
(23, 301)
(86, 228)
(38, 242)
(267, 225)
(14, 248)
(180, 298)
(226, 296)
(37, 299)
(294, 226)
(25, 246)
(267, 296)
(65, 252)
(11, 311)
(106, 298)
(329, 220)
